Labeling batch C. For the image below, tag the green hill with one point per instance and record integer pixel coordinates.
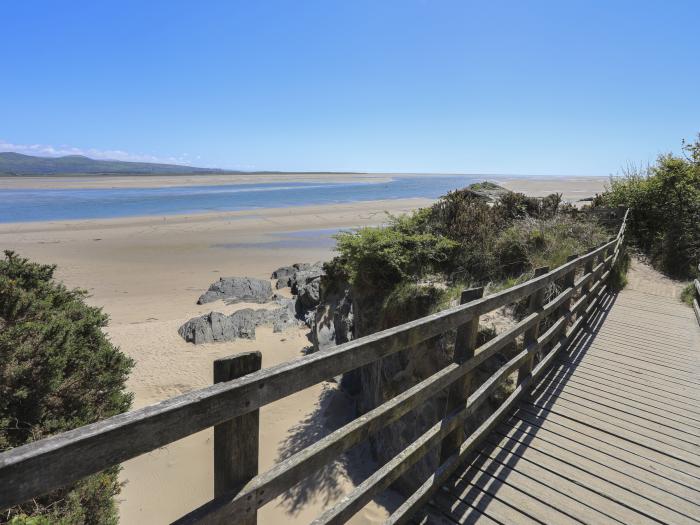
(17, 164)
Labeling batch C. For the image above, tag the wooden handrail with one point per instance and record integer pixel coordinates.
(36, 468)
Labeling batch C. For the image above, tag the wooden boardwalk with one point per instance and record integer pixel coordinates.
(610, 435)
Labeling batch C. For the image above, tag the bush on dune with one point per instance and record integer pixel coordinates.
(58, 371)
(463, 239)
(664, 202)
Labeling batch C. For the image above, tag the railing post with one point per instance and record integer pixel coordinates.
(236, 441)
(567, 282)
(696, 301)
(535, 303)
(465, 344)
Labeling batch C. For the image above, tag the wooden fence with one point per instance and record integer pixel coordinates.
(241, 388)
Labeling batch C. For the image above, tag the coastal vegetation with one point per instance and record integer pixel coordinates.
(664, 202)
(58, 371)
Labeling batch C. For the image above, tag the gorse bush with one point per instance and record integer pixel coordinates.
(58, 371)
(664, 202)
(463, 238)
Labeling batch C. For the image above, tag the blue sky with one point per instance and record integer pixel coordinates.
(527, 87)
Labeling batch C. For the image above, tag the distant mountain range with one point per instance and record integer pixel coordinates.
(17, 164)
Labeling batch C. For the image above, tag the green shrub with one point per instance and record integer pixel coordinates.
(664, 202)
(382, 257)
(688, 294)
(58, 371)
(533, 243)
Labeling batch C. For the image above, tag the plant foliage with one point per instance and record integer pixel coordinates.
(58, 371)
(664, 202)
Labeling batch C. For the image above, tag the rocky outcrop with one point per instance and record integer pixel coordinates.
(288, 271)
(333, 322)
(241, 324)
(297, 275)
(238, 290)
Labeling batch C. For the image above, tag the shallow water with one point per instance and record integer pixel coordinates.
(20, 205)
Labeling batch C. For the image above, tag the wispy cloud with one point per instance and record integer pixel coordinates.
(47, 150)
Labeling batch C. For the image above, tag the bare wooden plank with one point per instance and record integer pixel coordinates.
(602, 379)
(625, 405)
(632, 379)
(639, 435)
(686, 367)
(630, 506)
(622, 440)
(657, 373)
(483, 506)
(606, 450)
(642, 423)
(664, 503)
(527, 495)
(614, 392)
(542, 491)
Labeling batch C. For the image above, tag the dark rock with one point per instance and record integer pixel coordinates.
(288, 271)
(333, 321)
(238, 289)
(241, 324)
(310, 293)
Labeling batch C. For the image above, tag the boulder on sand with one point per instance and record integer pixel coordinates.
(237, 290)
(241, 324)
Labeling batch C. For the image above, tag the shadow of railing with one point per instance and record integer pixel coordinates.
(479, 483)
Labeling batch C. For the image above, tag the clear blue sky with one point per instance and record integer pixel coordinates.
(531, 87)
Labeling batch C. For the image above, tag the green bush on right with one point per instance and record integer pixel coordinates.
(664, 202)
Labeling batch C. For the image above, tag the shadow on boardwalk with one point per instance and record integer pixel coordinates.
(479, 482)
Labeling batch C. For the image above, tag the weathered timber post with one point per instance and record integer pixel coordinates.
(696, 301)
(236, 441)
(465, 344)
(567, 282)
(535, 303)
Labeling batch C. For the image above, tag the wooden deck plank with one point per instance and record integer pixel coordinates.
(657, 405)
(624, 412)
(549, 488)
(529, 446)
(636, 379)
(612, 431)
(611, 452)
(605, 382)
(532, 496)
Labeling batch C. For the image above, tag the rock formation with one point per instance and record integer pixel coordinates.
(238, 290)
(216, 326)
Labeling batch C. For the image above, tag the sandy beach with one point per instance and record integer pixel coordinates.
(147, 272)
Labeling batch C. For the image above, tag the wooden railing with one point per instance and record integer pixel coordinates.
(696, 299)
(231, 404)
